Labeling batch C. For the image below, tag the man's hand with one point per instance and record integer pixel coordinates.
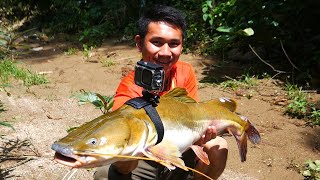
(125, 167)
(210, 133)
(217, 150)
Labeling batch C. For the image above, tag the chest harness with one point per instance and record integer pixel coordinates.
(148, 102)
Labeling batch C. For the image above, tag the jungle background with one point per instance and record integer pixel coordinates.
(263, 53)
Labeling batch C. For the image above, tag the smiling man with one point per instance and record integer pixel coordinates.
(160, 40)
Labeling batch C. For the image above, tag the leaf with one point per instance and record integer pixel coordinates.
(225, 29)
(99, 101)
(205, 17)
(86, 97)
(209, 3)
(211, 21)
(274, 23)
(312, 165)
(6, 124)
(306, 173)
(246, 32)
(205, 9)
(71, 129)
(249, 31)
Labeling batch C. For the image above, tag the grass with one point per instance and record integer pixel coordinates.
(71, 51)
(241, 86)
(108, 62)
(246, 81)
(8, 70)
(87, 51)
(3, 123)
(315, 116)
(299, 106)
(312, 170)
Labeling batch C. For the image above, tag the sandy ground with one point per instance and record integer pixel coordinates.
(42, 114)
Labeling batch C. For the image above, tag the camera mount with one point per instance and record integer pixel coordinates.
(148, 102)
(153, 98)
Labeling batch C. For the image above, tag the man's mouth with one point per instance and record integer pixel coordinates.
(164, 62)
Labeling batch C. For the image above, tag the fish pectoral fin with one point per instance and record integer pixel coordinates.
(166, 154)
(203, 156)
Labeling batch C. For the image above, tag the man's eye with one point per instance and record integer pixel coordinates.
(172, 45)
(157, 43)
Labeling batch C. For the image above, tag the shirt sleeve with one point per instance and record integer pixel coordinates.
(191, 84)
(126, 90)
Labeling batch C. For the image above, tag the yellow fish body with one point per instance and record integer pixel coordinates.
(130, 132)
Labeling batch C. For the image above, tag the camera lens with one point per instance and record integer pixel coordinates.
(147, 77)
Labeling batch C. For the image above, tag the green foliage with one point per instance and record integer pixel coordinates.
(246, 81)
(87, 51)
(3, 123)
(312, 170)
(268, 23)
(71, 129)
(298, 105)
(10, 41)
(108, 62)
(9, 69)
(214, 27)
(315, 116)
(71, 51)
(104, 103)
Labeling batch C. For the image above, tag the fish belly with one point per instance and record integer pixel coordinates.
(182, 138)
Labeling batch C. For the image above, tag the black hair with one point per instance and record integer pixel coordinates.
(161, 13)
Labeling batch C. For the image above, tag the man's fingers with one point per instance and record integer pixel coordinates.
(211, 133)
(214, 132)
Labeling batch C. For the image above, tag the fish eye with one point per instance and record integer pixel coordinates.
(92, 141)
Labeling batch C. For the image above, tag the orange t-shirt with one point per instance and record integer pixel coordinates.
(182, 75)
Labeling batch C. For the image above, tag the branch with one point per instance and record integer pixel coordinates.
(288, 56)
(278, 71)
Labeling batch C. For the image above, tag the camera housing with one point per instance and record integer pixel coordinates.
(150, 76)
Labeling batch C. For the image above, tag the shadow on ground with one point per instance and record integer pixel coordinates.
(312, 138)
(14, 152)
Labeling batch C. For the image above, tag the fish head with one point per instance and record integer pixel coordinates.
(98, 142)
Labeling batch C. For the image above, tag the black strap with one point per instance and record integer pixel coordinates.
(139, 103)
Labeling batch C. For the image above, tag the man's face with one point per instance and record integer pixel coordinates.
(162, 44)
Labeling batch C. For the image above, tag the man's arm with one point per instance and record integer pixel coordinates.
(126, 90)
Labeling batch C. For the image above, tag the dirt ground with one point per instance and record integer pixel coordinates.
(42, 114)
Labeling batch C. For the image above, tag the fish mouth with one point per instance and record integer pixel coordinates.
(67, 161)
(67, 156)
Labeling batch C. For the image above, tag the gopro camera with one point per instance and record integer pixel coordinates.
(150, 76)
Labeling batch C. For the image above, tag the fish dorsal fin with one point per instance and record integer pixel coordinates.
(225, 102)
(179, 94)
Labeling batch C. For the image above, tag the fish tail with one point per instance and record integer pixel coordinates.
(242, 146)
(251, 131)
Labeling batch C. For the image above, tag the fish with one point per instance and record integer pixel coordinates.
(128, 132)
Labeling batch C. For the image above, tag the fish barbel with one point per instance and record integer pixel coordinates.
(130, 132)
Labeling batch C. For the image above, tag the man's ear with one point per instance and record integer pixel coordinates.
(138, 42)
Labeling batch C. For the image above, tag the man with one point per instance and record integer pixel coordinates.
(160, 40)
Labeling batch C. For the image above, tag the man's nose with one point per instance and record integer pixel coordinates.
(165, 50)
